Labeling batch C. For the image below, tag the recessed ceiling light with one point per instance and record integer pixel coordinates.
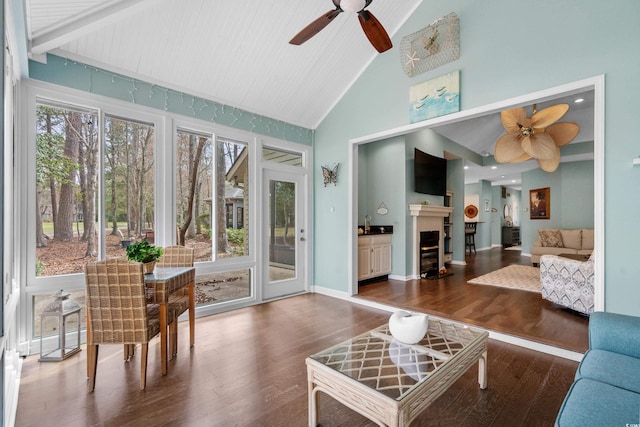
(501, 176)
(466, 167)
(578, 100)
(494, 167)
(513, 180)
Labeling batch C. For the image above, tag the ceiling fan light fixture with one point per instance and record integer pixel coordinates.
(353, 6)
(538, 137)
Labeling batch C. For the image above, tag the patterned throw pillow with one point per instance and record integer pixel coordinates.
(551, 238)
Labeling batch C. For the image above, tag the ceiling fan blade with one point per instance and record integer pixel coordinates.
(540, 146)
(508, 148)
(550, 165)
(513, 119)
(374, 31)
(548, 116)
(563, 133)
(315, 27)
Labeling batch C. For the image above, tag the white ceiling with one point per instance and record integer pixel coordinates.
(236, 52)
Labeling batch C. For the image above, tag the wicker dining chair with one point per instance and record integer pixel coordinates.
(117, 312)
(178, 256)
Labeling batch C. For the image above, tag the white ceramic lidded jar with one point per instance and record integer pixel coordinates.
(408, 328)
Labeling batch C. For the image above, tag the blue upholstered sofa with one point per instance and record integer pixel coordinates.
(606, 389)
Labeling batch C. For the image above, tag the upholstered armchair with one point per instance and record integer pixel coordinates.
(567, 282)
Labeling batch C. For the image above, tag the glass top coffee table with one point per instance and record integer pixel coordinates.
(392, 383)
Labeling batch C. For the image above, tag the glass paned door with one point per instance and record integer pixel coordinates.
(285, 242)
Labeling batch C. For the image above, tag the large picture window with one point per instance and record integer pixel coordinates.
(68, 233)
(66, 189)
(129, 150)
(211, 183)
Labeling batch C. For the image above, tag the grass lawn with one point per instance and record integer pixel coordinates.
(78, 227)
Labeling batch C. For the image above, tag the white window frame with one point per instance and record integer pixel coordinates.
(166, 125)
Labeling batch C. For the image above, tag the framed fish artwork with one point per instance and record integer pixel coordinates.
(435, 98)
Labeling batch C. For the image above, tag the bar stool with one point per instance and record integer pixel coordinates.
(470, 236)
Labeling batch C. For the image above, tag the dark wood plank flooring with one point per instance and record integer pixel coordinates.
(513, 312)
(248, 369)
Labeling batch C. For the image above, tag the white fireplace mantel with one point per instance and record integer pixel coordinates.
(427, 210)
(427, 218)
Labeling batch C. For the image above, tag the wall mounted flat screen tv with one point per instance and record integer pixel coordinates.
(430, 174)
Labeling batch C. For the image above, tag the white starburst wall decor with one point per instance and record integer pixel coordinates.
(431, 47)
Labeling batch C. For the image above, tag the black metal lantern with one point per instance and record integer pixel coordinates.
(66, 313)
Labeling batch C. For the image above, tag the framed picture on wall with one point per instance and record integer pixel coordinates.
(539, 203)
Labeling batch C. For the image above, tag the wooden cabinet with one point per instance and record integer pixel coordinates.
(374, 256)
(510, 236)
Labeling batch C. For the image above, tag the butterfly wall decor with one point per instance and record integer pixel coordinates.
(330, 174)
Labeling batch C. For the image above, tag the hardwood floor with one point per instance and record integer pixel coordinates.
(513, 312)
(248, 369)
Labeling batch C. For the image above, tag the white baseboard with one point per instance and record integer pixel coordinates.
(330, 292)
(402, 278)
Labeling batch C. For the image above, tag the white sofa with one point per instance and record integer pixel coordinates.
(558, 241)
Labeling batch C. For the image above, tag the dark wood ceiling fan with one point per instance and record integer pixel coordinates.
(373, 29)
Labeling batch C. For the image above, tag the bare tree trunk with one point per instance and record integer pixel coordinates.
(220, 207)
(54, 200)
(63, 226)
(127, 180)
(89, 199)
(40, 243)
(113, 204)
(141, 180)
(191, 231)
(196, 209)
(83, 186)
(192, 190)
(52, 183)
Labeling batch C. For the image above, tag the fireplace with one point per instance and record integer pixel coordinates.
(429, 250)
(427, 218)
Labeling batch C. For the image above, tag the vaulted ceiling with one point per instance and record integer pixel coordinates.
(235, 52)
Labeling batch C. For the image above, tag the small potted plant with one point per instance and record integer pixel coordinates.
(145, 253)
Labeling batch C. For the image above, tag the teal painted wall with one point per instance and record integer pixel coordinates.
(571, 187)
(484, 228)
(383, 163)
(386, 173)
(455, 184)
(497, 217)
(573, 40)
(80, 76)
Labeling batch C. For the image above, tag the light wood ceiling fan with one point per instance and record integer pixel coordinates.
(373, 29)
(538, 137)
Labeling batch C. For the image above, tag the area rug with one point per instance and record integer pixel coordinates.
(513, 248)
(523, 277)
